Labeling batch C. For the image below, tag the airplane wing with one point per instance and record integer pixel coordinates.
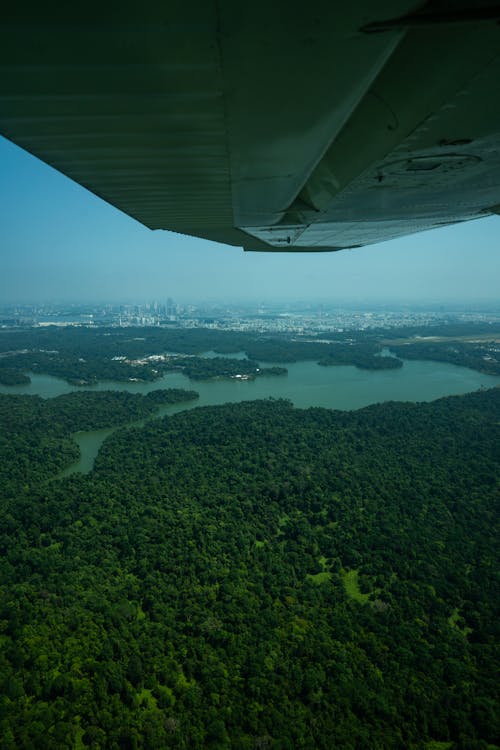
(272, 126)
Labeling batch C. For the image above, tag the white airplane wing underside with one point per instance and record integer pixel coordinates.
(272, 126)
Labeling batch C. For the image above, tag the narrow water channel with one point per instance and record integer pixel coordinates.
(307, 384)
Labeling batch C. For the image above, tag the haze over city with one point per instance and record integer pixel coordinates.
(61, 243)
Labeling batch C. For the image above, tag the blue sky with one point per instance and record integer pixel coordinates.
(59, 243)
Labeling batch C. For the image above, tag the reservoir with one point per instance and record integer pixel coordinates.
(307, 384)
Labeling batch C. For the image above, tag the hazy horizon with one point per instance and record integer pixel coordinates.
(284, 306)
(62, 244)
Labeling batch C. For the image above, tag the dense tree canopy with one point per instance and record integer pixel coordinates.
(84, 355)
(484, 356)
(35, 434)
(251, 576)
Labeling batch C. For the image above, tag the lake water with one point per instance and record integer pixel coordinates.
(307, 384)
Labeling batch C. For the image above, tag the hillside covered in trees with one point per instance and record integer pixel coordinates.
(252, 576)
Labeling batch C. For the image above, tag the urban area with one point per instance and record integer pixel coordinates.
(258, 318)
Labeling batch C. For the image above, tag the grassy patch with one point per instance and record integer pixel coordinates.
(259, 544)
(146, 698)
(435, 745)
(350, 579)
(79, 735)
(454, 622)
(141, 615)
(282, 521)
(319, 577)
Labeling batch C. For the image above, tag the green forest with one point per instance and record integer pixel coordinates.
(250, 576)
(84, 355)
(474, 355)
